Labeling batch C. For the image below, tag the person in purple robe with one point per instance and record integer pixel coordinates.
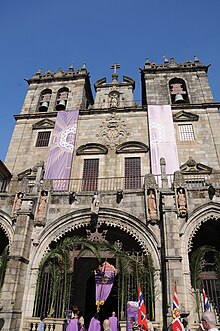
(113, 322)
(94, 324)
(73, 324)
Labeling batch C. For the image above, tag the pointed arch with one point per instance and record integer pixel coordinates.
(6, 225)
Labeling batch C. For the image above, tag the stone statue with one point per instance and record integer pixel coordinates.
(42, 204)
(17, 203)
(114, 100)
(152, 205)
(181, 199)
(95, 204)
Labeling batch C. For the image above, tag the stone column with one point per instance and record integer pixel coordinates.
(15, 277)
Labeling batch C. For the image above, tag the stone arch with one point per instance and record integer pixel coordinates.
(6, 226)
(112, 218)
(199, 216)
(126, 222)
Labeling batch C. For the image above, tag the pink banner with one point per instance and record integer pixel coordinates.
(59, 161)
(162, 139)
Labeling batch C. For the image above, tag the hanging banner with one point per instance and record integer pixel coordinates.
(162, 139)
(59, 161)
(104, 279)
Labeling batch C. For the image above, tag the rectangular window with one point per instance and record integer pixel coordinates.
(186, 132)
(132, 172)
(43, 139)
(90, 174)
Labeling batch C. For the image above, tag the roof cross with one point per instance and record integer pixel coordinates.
(115, 67)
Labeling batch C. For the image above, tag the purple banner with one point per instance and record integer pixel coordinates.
(104, 279)
(162, 139)
(61, 150)
(132, 311)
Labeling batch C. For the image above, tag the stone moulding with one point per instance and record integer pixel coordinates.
(210, 211)
(132, 147)
(91, 149)
(79, 219)
(6, 226)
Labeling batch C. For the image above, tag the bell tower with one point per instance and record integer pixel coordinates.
(48, 93)
(175, 83)
(185, 87)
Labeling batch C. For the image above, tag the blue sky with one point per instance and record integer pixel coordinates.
(53, 34)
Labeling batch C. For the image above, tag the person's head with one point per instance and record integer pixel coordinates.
(132, 320)
(184, 322)
(96, 316)
(113, 313)
(208, 320)
(106, 325)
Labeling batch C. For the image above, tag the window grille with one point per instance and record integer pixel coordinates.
(186, 132)
(43, 139)
(90, 174)
(132, 172)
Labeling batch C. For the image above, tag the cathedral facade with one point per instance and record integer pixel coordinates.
(133, 181)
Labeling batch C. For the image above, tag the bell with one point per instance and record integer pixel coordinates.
(44, 106)
(61, 105)
(179, 98)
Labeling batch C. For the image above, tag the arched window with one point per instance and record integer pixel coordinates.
(62, 97)
(178, 91)
(44, 100)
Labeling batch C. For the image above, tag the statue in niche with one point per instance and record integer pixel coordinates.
(95, 203)
(114, 100)
(152, 205)
(181, 200)
(42, 204)
(17, 203)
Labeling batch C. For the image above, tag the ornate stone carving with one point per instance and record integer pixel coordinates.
(17, 203)
(113, 131)
(97, 235)
(150, 182)
(181, 202)
(95, 203)
(47, 185)
(114, 99)
(179, 180)
(151, 188)
(191, 166)
(42, 208)
(197, 227)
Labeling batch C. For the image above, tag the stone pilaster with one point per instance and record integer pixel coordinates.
(15, 277)
(171, 256)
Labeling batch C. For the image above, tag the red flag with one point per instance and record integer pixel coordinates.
(142, 319)
(176, 323)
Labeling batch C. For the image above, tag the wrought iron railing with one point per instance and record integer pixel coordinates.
(193, 181)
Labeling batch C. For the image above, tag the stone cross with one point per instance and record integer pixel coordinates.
(115, 67)
(115, 74)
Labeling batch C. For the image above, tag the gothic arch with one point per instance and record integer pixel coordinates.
(6, 225)
(201, 214)
(111, 217)
(196, 218)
